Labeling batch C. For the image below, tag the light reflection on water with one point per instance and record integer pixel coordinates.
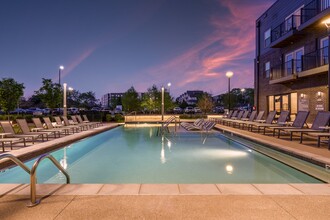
(137, 155)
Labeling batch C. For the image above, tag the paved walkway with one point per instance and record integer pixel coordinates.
(168, 207)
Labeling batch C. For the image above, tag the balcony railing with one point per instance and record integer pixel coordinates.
(293, 22)
(309, 61)
(289, 24)
(286, 69)
(315, 59)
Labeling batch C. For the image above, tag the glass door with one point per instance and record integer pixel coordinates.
(288, 64)
(298, 57)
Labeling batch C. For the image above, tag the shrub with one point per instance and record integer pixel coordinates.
(119, 118)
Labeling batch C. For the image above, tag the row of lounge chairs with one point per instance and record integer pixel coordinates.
(317, 130)
(44, 132)
(198, 125)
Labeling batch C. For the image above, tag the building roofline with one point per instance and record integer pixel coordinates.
(267, 10)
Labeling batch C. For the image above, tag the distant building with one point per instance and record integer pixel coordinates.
(190, 97)
(110, 100)
(217, 99)
(292, 54)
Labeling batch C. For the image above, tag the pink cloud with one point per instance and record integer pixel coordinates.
(230, 46)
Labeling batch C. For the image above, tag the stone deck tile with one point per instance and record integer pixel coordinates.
(238, 189)
(159, 189)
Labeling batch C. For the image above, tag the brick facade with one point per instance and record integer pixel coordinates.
(311, 88)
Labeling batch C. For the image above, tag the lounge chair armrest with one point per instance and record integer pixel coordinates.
(2, 135)
(325, 127)
(36, 129)
(261, 121)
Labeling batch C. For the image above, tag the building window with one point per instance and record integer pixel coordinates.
(293, 20)
(324, 43)
(267, 69)
(271, 106)
(325, 4)
(267, 38)
(293, 62)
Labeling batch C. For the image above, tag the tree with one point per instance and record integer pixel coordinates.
(10, 93)
(151, 100)
(205, 103)
(33, 101)
(130, 100)
(87, 100)
(50, 93)
(73, 98)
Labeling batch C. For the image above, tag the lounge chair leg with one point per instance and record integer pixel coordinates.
(3, 147)
(318, 142)
(301, 137)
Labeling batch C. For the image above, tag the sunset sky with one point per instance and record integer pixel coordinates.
(111, 45)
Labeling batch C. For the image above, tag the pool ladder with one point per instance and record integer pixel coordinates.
(33, 171)
(165, 124)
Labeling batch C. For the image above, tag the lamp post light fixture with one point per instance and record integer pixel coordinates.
(327, 25)
(229, 74)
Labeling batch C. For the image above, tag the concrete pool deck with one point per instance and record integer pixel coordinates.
(175, 201)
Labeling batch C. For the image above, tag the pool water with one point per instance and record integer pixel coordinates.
(138, 155)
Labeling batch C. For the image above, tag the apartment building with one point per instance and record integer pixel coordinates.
(291, 65)
(190, 97)
(110, 100)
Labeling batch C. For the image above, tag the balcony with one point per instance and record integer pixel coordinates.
(285, 32)
(296, 26)
(285, 72)
(312, 63)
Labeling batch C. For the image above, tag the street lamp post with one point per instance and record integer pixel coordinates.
(65, 113)
(65, 109)
(163, 105)
(229, 74)
(59, 74)
(242, 91)
(327, 25)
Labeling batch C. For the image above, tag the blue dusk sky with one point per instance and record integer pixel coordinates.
(111, 45)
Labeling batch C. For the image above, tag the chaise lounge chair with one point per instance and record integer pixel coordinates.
(252, 120)
(26, 130)
(40, 127)
(73, 128)
(49, 125)
(11, 141)
(8, 128)
(321, 120)
(258, 125)
(298, 123)
(281, 121)
(197, 125)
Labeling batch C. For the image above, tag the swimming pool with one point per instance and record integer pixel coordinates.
(138, 155)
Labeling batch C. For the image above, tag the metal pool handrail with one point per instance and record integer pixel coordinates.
(32, 173)
(33, 179)
(17, 161)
